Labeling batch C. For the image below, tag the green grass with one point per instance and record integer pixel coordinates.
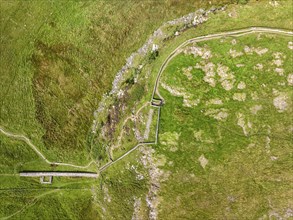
(57, 60)
(69, 197)
(241, 176)
(122, 188)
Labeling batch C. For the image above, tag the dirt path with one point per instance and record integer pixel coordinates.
(236, 33)
(30, 204)
(131, 117)
(103, 168)
(26, 140)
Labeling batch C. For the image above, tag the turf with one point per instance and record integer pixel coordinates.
(58, 58)
(244, 170)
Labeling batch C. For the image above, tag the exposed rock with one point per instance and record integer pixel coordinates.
(260, 51)
(199, 19)
(187, 21)
(290, 45)
(281, 83)
(244, 125)
(235, 53)
(278, 56)
(241, 85)
(248, 50)
(198, 135)
(187, 72)
(226, 77)
(209, 73)
(254, 96)
(240, 65)
(280, 71)
(218, 114)
(136, 212)
(278, 62)
(173, 149)
(203, 161)
(280, 102)
(215, 101)
(188, 101)
(107, 197)
(155, 47)
(288, 213)
(290, 79)
(227, 84)
(221, 115)
(196, 51)
(223, 71)
(139, 176)
(255, 109)
(239, 96)
(274, 3)
(156, 177)
(180, 92)
(258, 66)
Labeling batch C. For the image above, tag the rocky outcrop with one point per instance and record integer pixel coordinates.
(191, 20)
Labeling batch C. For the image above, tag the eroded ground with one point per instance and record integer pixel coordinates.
(226, 129)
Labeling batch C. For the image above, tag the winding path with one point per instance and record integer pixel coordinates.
(235, 33)
(26, 140)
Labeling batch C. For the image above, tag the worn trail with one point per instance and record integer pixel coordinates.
(235, 33)
(28, 141)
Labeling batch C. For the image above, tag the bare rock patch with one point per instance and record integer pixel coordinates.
(241, 85)
(290, 79)
(239, 97)
(290, 45)
(234, 53)
(196, 51)
(187, 72)
(215, 101)
(209, 70)
(280, 71)
(254, 109)
(280, 102)
(218, 114)
(203, 161)
(245, 125)
(227, 78)
(258, 66)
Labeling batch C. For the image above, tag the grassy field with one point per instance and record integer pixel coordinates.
(67, 202)
(57, 64)
(233, 137)
(57, 60)
(59, 57)
(235, 17)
